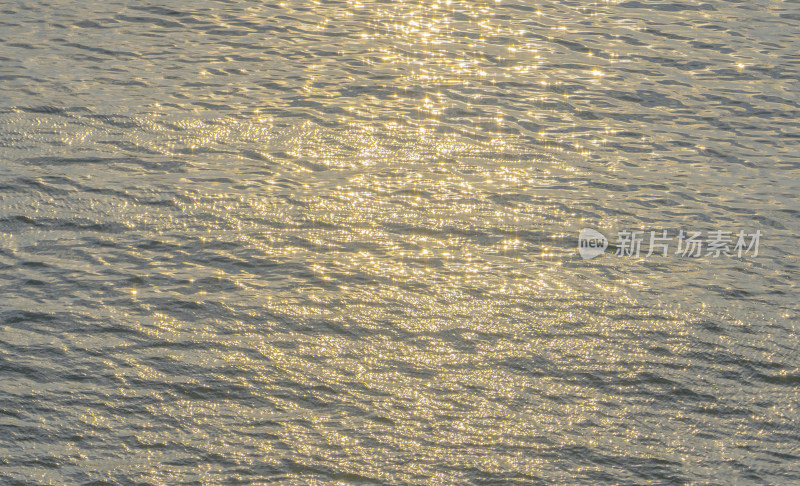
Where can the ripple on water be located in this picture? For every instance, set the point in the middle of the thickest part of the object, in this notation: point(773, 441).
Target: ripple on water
point(336, 242)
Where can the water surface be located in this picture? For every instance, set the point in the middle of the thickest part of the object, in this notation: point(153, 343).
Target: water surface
point(335, 241)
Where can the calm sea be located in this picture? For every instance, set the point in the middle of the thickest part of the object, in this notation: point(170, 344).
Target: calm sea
point(337, 242)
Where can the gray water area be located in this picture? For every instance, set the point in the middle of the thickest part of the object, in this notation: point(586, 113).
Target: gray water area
point(336, 242)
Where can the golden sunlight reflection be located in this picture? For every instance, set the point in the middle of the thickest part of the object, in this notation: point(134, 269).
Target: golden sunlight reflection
point(336, 242)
